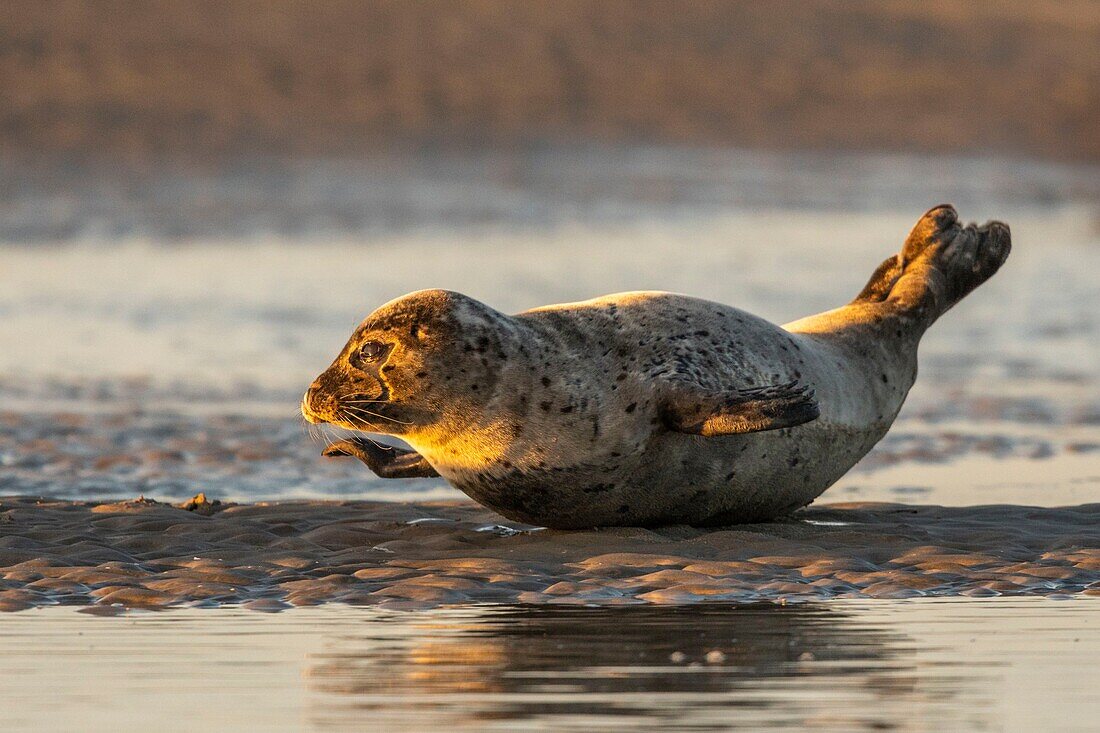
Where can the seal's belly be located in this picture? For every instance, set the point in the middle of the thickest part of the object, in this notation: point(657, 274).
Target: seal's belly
point(680, 479)
point(631, 471)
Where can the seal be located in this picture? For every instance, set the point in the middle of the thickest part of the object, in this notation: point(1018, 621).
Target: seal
point(645, 408)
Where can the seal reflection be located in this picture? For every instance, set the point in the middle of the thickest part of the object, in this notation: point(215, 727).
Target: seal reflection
point(699, 667)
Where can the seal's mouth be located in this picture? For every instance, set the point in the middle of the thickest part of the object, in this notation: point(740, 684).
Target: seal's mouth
point(311, 417)
point(353, 411)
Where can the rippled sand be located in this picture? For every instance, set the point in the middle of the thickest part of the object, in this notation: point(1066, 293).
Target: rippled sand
point(270, 556)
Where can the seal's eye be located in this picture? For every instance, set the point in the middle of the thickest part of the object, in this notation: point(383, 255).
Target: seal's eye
point(371, 351)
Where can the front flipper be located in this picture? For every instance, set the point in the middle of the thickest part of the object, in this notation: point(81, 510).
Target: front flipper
point(689, 409)
point(385, 460)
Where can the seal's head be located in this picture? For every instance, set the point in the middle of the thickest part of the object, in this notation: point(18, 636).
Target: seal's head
point(426, 361)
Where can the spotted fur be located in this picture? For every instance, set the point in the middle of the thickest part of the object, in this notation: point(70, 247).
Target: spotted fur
point(597, 413)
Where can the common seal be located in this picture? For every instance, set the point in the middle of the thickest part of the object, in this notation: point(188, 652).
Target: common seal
point(645, 408)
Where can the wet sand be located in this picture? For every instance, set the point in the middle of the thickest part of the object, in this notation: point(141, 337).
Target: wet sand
point(271, 556)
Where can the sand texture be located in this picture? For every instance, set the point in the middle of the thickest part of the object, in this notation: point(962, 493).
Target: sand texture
point(271, 556)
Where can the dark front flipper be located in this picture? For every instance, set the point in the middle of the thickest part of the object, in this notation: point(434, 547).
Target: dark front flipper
point(386, 461)
point(688, 409)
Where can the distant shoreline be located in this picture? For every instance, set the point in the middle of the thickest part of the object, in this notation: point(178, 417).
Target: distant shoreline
point(199, 80)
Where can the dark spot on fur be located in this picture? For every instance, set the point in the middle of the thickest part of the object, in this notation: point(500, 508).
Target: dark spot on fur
point(631, 407)
point(421, 375)
point(546, 381)
point(473, 388)
point(623, 509)
point(388, 368)
point(545, 406)
point(567, 408)
point(885, 379)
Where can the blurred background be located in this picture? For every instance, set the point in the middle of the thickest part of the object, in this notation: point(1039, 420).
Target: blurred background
point(200, 200)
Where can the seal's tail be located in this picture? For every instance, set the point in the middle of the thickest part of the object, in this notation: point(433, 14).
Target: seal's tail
point(940, 263)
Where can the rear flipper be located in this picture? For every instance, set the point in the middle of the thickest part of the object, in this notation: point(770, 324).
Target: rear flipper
point(940, 263)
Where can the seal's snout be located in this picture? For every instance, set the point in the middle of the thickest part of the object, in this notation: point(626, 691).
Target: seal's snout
point(310, 408)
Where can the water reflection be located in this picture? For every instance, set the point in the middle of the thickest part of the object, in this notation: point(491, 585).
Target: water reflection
point(689, 668)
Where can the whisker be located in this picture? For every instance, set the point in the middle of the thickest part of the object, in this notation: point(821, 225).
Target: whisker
point(364, 411)
point(375, 414)
point(306, 425)
point(341, 398)
point(352, 419)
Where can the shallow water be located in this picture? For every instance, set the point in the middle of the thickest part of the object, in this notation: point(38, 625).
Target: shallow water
point(929, 665)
